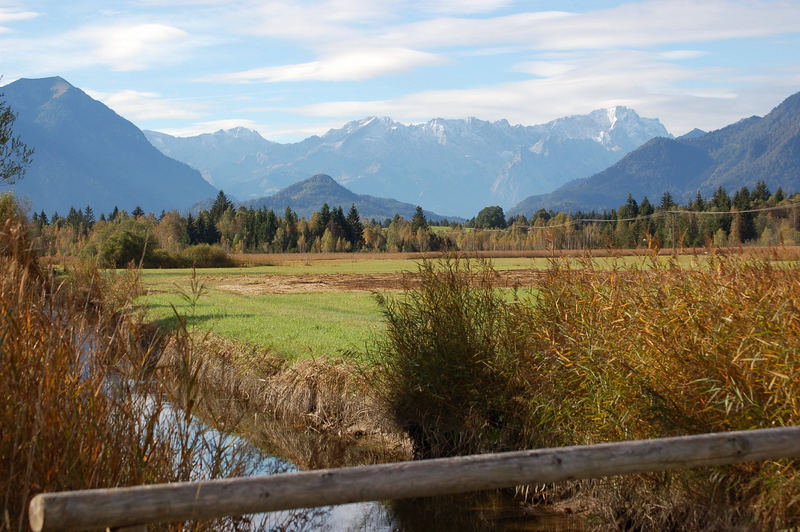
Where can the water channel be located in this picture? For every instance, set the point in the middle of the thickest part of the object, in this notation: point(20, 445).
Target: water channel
point(483, 511)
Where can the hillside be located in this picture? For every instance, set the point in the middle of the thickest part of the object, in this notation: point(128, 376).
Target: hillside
point(86, 154)
point(753, 149)
point(450, 166)
point(308, 196)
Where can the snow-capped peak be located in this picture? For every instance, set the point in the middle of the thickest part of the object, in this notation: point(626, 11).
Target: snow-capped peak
point(612, 117)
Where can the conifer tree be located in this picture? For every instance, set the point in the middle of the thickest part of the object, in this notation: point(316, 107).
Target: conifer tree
point(221, 204)
point(418, 221)
point(355, 228)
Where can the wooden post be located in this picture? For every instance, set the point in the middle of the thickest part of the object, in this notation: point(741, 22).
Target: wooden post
point(183, 501)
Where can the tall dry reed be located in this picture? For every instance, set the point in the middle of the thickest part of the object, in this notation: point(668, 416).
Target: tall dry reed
point(80, 406)
point(640, 351)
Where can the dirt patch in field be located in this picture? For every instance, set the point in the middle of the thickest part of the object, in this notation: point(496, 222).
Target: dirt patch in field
point(376, 282)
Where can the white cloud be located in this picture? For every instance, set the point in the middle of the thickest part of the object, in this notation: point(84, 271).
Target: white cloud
point(12, 15)
point(543, 68)
point(466, 6)
point(136, 105)
point(578, 83)
point(680, 55)
point(313, 22)
point(130, 46)
point(644, 24)
point(356, 65)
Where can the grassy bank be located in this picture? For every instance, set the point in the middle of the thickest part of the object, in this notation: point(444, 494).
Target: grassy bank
point(316, 413)
point(646, 350)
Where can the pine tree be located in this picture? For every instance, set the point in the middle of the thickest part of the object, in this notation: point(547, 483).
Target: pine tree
point(191, 230)
point(721, 202)
point(761, 192)
point(221, 204)
point(355, 228)
point(698, 205)
point(338, 224)
point(667, 202)
point(645, 208)
point(324, 219)
point(418, 221)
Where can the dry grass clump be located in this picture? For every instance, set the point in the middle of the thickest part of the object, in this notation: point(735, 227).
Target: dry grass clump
point(645, 351)
point(315, 412)
point(668, 351)
point(69, 417)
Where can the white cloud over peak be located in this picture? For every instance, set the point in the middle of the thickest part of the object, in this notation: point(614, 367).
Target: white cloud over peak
point(354, 65)
point(573, 83)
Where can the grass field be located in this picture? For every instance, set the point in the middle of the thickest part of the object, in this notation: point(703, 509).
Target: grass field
point(292, 325)
point(299, 319)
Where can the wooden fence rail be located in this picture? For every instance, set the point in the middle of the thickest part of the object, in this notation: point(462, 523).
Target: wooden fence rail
point(177, 502)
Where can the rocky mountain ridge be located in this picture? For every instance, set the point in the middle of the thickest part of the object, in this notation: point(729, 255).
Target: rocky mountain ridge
point(452, 166)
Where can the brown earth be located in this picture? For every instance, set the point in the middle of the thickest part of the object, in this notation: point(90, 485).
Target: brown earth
point(327, 282)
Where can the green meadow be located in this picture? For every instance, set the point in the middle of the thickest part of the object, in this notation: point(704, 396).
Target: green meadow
point(292, 325)
point(301, 325)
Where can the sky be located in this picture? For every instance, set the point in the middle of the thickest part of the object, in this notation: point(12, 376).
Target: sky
point(290, 69)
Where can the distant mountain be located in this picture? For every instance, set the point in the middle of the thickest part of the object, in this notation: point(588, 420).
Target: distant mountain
point(753, 149)
point(451, 166)
point(308, 196)
point(693, 134)
point(86, 154)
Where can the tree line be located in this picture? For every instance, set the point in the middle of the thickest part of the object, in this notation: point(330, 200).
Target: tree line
point(755, 216)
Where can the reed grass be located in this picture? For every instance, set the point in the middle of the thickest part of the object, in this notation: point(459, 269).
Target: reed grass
point(80, 402)
point(640, 350)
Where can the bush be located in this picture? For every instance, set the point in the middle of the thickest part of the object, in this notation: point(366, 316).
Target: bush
point(205, 256)
point(446, 345)
point(123, 247)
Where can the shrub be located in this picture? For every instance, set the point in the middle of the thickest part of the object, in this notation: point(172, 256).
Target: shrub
point(123, 247)
point(205, 256)
point(446, 345)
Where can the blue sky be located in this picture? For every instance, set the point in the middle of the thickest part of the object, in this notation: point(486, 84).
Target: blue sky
point(290, 69)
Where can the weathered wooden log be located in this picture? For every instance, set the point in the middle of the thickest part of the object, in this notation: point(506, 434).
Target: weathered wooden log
point(183, 501)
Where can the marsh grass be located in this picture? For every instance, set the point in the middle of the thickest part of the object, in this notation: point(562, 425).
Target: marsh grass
point(316, 413)
point(640, 350)
point(80, 402)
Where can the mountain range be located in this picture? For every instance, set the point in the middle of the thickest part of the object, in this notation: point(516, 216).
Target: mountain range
point(756, 148)
point(455, 167)
point(86, 154)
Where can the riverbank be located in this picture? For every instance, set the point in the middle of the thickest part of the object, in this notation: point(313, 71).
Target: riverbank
point(316, 413)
